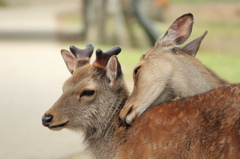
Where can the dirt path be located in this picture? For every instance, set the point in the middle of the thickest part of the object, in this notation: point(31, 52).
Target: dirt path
point(32, 73)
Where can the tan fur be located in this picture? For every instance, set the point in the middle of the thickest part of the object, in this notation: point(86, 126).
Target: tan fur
point(167, 72)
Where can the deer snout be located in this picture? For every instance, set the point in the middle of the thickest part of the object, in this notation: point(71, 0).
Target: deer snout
point(46, 120)
point(127, 115)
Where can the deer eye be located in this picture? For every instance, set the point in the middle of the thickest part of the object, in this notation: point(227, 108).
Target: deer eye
point(87, 93)
point(136, 70)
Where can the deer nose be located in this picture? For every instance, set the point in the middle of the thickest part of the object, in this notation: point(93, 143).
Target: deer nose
point(46, 120)
point(124, 113)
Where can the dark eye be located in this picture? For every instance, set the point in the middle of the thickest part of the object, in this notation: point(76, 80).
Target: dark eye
point(87, 93)
point(136, 70)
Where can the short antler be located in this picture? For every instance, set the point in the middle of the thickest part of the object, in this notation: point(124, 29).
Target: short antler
point(82, 56)
point(103, 57)
point(77, 57)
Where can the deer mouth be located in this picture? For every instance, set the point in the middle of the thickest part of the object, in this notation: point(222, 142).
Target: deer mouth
point(58, 127)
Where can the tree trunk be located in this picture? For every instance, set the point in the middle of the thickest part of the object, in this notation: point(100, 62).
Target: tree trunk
point(94, 20)
point(120, 34)
point(145, 22)
point(128, 17)
point(111, 21)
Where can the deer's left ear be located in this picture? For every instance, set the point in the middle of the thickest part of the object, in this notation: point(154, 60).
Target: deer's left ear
point(114, 73)
point(69, 60)
point(192, 47)
point(178, 32)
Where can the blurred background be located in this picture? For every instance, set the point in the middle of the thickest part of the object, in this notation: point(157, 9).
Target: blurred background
point(32, 33)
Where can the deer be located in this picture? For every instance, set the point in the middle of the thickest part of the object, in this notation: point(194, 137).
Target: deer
point(168, 72)
point(92, 98)
point(203, 126)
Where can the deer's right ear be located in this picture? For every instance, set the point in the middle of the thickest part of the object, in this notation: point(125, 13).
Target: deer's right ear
point(192, 47)
point(69, 60)
point(178, 32)
point(114, 73)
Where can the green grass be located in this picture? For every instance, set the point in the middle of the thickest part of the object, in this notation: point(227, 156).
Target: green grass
point(3, 3)
point(224, 64)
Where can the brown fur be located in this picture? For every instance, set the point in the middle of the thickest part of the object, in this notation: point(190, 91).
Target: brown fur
point(205, 126)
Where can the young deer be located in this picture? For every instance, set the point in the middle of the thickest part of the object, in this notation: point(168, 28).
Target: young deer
point(205, 126)
point(167, 71)
point(91, 100)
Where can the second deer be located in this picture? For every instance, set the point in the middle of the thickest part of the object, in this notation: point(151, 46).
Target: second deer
point(167, 72)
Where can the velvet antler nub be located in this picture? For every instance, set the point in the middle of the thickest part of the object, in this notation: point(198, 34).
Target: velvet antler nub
point(82, 56)
point(103, 57)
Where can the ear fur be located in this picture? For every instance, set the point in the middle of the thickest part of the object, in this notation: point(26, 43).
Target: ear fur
point(69, 60)
point(114, 73)
point(192, 47)
point(178, 32)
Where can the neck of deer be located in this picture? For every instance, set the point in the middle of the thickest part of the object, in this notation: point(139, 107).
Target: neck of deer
point(186, 77)
point(101, 140)
point(193, 77)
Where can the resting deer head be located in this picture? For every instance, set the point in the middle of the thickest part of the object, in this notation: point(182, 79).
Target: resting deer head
point(167, 71)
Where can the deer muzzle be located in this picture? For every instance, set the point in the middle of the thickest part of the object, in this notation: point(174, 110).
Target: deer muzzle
point(46, 120)
point(127, 114)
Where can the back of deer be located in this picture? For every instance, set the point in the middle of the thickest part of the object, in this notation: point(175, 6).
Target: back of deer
point(205, 126)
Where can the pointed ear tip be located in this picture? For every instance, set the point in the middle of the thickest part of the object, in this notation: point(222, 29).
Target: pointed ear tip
point(63, 51)
point(204, 34)
point(113, 57)
point(190, 15)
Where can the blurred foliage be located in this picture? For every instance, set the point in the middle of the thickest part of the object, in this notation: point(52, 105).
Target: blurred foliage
point(219, 50)
point(203, 1)
point(3, 3)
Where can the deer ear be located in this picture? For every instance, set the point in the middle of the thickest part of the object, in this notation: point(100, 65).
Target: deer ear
point(69, 60)
point(178, 32)
point(192, 47)
point(114, 73)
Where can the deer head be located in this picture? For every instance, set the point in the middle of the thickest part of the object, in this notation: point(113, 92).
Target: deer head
point(167, 71)
point(90, 95)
